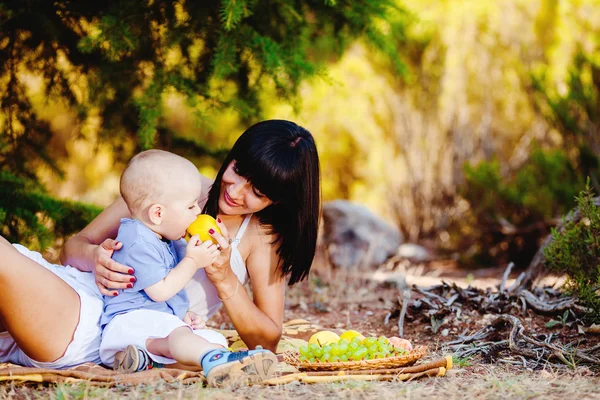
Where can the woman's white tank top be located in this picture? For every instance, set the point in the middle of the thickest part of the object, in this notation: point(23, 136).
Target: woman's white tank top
point(203, 296)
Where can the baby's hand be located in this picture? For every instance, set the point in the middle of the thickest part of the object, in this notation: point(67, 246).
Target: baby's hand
point(203, 253)
point(194, 320)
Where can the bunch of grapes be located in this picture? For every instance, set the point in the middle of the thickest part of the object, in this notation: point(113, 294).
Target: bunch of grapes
point(358, 349)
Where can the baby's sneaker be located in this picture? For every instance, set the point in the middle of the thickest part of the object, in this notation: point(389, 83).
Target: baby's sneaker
point(133, 359)
point(226, 368)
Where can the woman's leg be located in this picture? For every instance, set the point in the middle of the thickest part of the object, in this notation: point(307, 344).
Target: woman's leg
point(39, 310)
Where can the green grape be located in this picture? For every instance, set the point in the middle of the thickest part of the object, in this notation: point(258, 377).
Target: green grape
point(335, 349)
point(313, 346)
point(327, 349)
point(344, 357)
point(303, 358)
point(318, 352)
point(304, 351)
point(379, 355)
point(356, 340)
point(373, 348)
point(369, 341)
point(343, 341)
point(352, 347)
point(312, 359)
point(360, 353)
point(383, 339)
point(325, 357)
point(343, 347)
point(334, 359)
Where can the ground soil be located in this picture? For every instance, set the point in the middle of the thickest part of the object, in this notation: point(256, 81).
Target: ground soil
point(368, 301)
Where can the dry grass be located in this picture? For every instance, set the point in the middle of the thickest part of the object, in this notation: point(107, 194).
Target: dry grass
point(479, 382)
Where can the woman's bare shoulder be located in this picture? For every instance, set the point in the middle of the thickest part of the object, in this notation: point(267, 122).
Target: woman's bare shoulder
point(259, 233)
point(262, 245)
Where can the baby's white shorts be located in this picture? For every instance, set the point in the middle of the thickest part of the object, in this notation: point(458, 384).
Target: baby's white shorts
point(135, 327)
point(86, 340)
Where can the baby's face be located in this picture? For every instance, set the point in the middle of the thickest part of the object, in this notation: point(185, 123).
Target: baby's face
point(181, 211)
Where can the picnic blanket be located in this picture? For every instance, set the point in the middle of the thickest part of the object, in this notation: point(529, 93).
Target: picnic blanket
point(295, 333)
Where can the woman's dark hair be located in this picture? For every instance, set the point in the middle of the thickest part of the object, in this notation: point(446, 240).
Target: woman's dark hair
point(279, 158)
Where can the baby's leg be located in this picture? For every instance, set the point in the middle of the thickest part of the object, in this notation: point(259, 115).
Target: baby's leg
point(182, 345)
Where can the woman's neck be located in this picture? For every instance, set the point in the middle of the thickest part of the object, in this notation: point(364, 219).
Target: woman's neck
point(226, 218)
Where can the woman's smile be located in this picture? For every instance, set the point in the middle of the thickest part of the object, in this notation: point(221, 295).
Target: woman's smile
point(230, 202)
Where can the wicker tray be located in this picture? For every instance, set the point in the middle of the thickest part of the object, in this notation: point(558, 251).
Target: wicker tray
point(291, 357)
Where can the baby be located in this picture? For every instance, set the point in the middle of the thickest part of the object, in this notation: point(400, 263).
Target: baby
point(148, 324)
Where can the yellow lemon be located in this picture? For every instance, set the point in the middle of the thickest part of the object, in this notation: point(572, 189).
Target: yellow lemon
point(349, 335)
point(324, 337)
point(200, 227)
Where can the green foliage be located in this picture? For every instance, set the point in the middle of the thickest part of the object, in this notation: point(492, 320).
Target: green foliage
point(511, 213)
point(560, 320)
point(31, 217)
point(460, 361)
point(543, 187)
point(130, 52)
point(118, 60)
point(575, 251)
point(575, 109)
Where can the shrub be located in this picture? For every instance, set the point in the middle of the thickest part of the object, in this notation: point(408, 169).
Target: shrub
point(30, 216)
point(575, 251)
point(512, 213)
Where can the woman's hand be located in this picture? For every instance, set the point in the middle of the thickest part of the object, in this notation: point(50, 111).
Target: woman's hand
point(109, 274)
point(219, 270)
point(194, 320)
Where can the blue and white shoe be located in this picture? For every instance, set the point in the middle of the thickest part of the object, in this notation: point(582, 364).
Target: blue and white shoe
point(133, 359)
point(226, 368)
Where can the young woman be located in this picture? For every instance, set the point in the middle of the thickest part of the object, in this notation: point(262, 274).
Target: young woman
point(267, 194)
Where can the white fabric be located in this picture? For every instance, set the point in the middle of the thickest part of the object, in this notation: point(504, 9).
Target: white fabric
point(86, 340)
point(136, 327)
point(204, 299)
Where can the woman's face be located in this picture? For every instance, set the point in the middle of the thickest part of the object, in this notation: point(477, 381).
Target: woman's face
point(238, 196)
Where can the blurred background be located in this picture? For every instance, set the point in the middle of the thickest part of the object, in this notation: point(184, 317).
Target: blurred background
point(469, 125)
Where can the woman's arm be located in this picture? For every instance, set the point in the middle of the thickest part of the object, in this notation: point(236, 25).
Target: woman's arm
point(90, 250)
point(259, 322)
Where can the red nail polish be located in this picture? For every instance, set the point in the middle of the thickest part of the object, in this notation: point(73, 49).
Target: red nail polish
point(131, 271)
point(132, 279)
point(218, 219)
point(129, 285)
point(116, 293)
point(211, 231)
point(117, 243)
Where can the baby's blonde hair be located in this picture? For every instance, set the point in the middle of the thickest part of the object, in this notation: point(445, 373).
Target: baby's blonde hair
point(154, 176)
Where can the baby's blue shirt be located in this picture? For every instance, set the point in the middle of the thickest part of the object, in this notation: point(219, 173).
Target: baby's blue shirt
point(152, 259)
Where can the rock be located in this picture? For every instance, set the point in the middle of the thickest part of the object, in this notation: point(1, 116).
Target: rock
point(354, 237)
point(414, 253)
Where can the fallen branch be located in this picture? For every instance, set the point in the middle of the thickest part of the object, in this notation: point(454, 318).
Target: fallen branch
point(405, 302)
point(559, 306)
point(522, 345)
